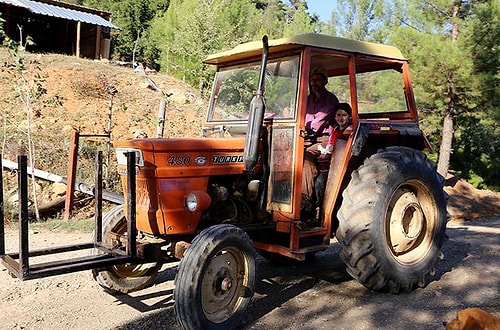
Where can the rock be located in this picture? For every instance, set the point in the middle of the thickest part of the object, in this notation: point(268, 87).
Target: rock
point(140, 134)
point(13, 199)
point(58, 189)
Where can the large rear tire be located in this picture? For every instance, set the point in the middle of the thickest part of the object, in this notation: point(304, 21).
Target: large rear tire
point(215, 280)
point(392, 220)
point(127, 277)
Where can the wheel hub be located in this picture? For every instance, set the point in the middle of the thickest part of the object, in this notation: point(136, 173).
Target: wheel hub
point(223, 285)
point(412, 221)
point(226, 284)
point(407, 222)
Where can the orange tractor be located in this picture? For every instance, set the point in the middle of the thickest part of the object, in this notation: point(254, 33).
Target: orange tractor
point(212, 201)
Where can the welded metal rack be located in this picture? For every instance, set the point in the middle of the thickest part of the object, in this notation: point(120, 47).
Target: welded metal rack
point(21, 265)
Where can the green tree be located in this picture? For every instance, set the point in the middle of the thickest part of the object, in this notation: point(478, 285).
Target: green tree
point(272, 18)
point(451, 88)
point(477, 143)
point(299, 21)
point(359, 19)
point(191, 29)
point(2, 32)
point(133, 17)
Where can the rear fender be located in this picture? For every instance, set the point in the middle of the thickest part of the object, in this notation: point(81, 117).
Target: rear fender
point(373, 135)
point(368, 139)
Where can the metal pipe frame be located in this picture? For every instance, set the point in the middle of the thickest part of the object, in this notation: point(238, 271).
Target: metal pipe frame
point(18, 264)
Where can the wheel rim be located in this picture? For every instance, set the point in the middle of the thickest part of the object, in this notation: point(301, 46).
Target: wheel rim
point(133, 270)
point(410, 223)
point(224, 284)
point(130, 269)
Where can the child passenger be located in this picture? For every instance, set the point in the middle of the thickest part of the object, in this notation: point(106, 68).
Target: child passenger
point(343, 113)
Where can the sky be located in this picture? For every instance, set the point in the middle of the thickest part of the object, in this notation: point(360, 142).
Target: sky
point(323, 8)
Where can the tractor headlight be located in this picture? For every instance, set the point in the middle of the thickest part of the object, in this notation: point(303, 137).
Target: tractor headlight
point(121, 156)
point(197, 201)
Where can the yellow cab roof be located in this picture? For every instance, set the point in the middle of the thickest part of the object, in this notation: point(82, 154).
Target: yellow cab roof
point(254, 48)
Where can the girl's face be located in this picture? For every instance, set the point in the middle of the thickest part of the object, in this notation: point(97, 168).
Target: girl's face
point(342, 118)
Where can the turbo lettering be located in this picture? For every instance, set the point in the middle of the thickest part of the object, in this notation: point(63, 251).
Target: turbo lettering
point(227, 159)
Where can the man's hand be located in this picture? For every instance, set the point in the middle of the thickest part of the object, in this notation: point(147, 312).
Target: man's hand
point(309, 135)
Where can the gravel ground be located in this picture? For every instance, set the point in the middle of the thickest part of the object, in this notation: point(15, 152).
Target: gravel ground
point(316, 295)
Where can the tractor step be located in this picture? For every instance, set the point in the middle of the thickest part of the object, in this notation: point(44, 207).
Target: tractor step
point(299, 254)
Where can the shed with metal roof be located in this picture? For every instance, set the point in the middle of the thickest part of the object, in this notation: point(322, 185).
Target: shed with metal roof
point(58, 27)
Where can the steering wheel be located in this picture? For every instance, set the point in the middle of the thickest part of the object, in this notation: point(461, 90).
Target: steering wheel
point(310, 136)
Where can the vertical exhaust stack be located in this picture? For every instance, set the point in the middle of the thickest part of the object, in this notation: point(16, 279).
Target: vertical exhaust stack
point(256, 115)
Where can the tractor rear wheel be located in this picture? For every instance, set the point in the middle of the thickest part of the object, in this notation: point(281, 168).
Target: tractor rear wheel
point(392, 220)
point(127, 277)
point(215, 280)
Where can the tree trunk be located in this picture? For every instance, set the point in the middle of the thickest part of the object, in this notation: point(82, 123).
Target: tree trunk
point(455, 14)
point(446, 143)
point(445, 149)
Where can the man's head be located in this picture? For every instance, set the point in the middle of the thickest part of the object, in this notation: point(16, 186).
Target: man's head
point(318, 80)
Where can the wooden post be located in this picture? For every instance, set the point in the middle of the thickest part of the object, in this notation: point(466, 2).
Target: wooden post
point(161, 119)
point(78, 33)
point(70, 188)
point(98, 198)
point(98, 36)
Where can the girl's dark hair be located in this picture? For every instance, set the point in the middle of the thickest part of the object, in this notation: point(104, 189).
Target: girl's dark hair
point(344, 106)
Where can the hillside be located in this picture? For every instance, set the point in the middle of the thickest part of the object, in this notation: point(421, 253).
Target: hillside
point(76, 96)
point(73, 95)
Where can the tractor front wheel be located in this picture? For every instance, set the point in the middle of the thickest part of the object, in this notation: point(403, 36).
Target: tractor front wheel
point(215, 280)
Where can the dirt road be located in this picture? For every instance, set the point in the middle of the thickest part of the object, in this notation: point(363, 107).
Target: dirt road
point(318, 295)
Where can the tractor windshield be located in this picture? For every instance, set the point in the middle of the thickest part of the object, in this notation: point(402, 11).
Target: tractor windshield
point(234, 86)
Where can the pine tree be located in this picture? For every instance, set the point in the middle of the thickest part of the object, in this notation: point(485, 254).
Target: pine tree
point(428, 33)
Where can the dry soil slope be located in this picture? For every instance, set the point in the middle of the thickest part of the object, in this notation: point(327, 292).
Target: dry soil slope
point(75, 96)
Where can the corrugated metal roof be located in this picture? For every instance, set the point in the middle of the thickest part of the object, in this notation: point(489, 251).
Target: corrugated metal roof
point(60, 12)
point(13, 3)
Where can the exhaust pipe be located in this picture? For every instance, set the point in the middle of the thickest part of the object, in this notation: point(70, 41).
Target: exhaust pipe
point(256, 115)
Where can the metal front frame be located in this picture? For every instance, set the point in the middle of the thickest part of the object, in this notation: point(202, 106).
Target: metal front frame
point(18, 264)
